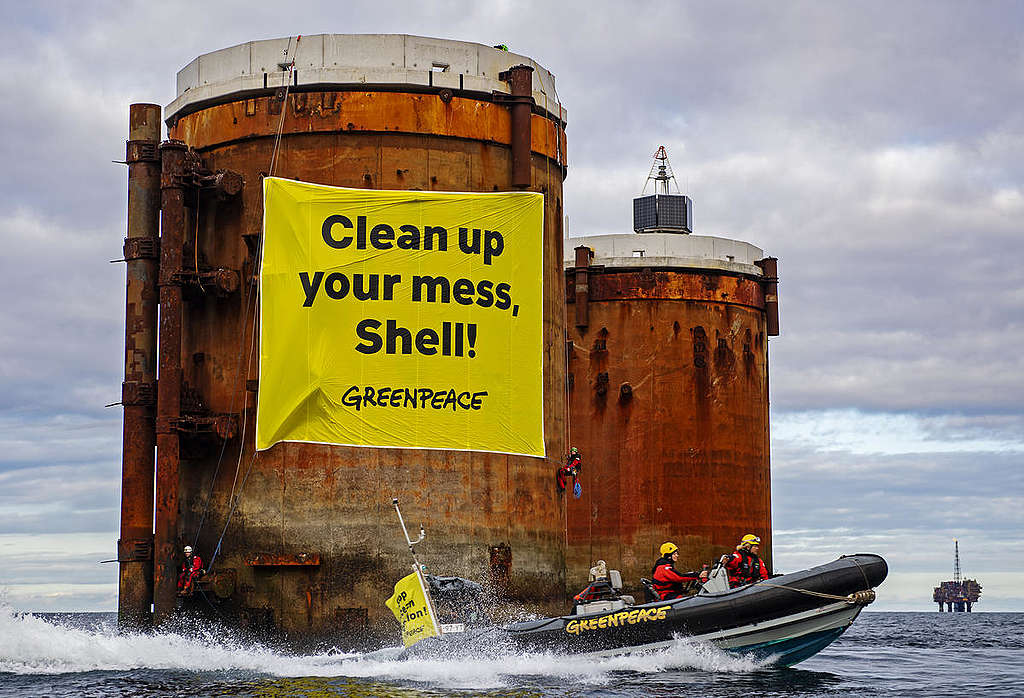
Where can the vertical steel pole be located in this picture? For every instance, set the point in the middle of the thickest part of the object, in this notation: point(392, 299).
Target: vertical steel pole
point(520, 79)
point(138, 392)
point(770, 267)
point(583, 257)
point(168, 403)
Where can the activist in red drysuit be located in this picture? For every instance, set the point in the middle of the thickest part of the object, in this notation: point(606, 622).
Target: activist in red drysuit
point(744, 566)
point(667, 582)
point(191, 569)
point(571, 469)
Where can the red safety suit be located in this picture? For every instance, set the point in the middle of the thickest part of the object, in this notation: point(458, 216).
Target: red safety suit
point(574, 462)
point(191, 568)
point(667, 582)
point(570, 470)
point(563, 476)
point(745, 567)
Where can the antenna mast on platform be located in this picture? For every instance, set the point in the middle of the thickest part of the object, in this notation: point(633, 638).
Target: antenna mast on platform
point(661, 173)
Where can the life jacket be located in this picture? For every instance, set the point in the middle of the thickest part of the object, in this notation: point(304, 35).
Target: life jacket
point(574, 462)
point(748, 569)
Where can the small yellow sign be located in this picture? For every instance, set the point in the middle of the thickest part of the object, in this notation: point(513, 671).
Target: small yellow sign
point(404, 319)
point(410, 606)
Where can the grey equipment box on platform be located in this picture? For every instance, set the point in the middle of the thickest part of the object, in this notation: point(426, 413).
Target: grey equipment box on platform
point(663, 213)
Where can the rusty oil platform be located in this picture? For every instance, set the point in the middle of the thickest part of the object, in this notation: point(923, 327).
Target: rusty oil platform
point(656, 360)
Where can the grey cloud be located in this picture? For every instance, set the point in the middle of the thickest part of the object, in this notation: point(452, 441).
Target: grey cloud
point(870, 494)
point(61, 344)
point(75, 567)
point(61, 498)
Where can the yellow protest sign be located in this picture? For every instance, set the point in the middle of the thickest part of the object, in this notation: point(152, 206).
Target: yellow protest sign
point(409, 604)
point(401, 318)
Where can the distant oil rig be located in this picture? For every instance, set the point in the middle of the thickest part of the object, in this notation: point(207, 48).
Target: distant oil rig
point(960, 594)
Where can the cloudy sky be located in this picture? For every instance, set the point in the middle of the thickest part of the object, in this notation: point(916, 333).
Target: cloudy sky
point(875, 148)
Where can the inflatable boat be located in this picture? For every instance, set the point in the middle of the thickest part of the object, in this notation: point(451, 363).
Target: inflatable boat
point(782, 620)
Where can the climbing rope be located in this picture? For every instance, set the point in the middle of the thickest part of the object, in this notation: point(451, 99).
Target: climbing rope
point(238, 495)
point(234, 505)
point(249, 295)
point(284, 102)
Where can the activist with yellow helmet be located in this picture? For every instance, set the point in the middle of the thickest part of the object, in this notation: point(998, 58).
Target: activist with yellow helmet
point(667, 581)
point(745, 565)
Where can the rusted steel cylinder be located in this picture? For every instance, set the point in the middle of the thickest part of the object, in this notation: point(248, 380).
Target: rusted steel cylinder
point(135, 546)
point(168, 404)
point(376, 112)
point(520, 80)
point(680, 451)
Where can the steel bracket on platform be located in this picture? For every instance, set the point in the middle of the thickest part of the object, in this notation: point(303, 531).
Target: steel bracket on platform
point(222, 281)
point(194, 175)
point(135, 550)
point(505, 98)
point(138, 393)
point(224, 426)
point(226, 183)
point(141, 248)
point(141, 151)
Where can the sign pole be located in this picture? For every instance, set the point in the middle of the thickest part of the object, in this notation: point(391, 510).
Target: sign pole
point(416, 564)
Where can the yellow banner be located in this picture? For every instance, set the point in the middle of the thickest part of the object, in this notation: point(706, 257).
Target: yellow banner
point(403, 319)
point(409, 604)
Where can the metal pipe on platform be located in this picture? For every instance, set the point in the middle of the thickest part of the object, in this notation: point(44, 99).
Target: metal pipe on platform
point(582, 287)
point(520, 80)
point(770, 267)
point(168, 405)
point(138, 392)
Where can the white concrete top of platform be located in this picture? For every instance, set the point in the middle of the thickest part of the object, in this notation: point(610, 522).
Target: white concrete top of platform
point(653, 250)
point(356, 59)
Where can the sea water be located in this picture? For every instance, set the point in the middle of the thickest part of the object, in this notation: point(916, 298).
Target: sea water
point(899, 654)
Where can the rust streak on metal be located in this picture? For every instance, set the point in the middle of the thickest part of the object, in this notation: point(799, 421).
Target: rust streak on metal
point(135, 584)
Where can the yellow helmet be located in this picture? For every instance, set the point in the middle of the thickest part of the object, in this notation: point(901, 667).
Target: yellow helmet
point(668, 548)
point(750, 539)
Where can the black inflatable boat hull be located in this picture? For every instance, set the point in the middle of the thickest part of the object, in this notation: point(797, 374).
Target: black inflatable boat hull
point(785, 619)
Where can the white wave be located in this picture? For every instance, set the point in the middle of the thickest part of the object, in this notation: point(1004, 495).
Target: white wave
point(32, 645)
